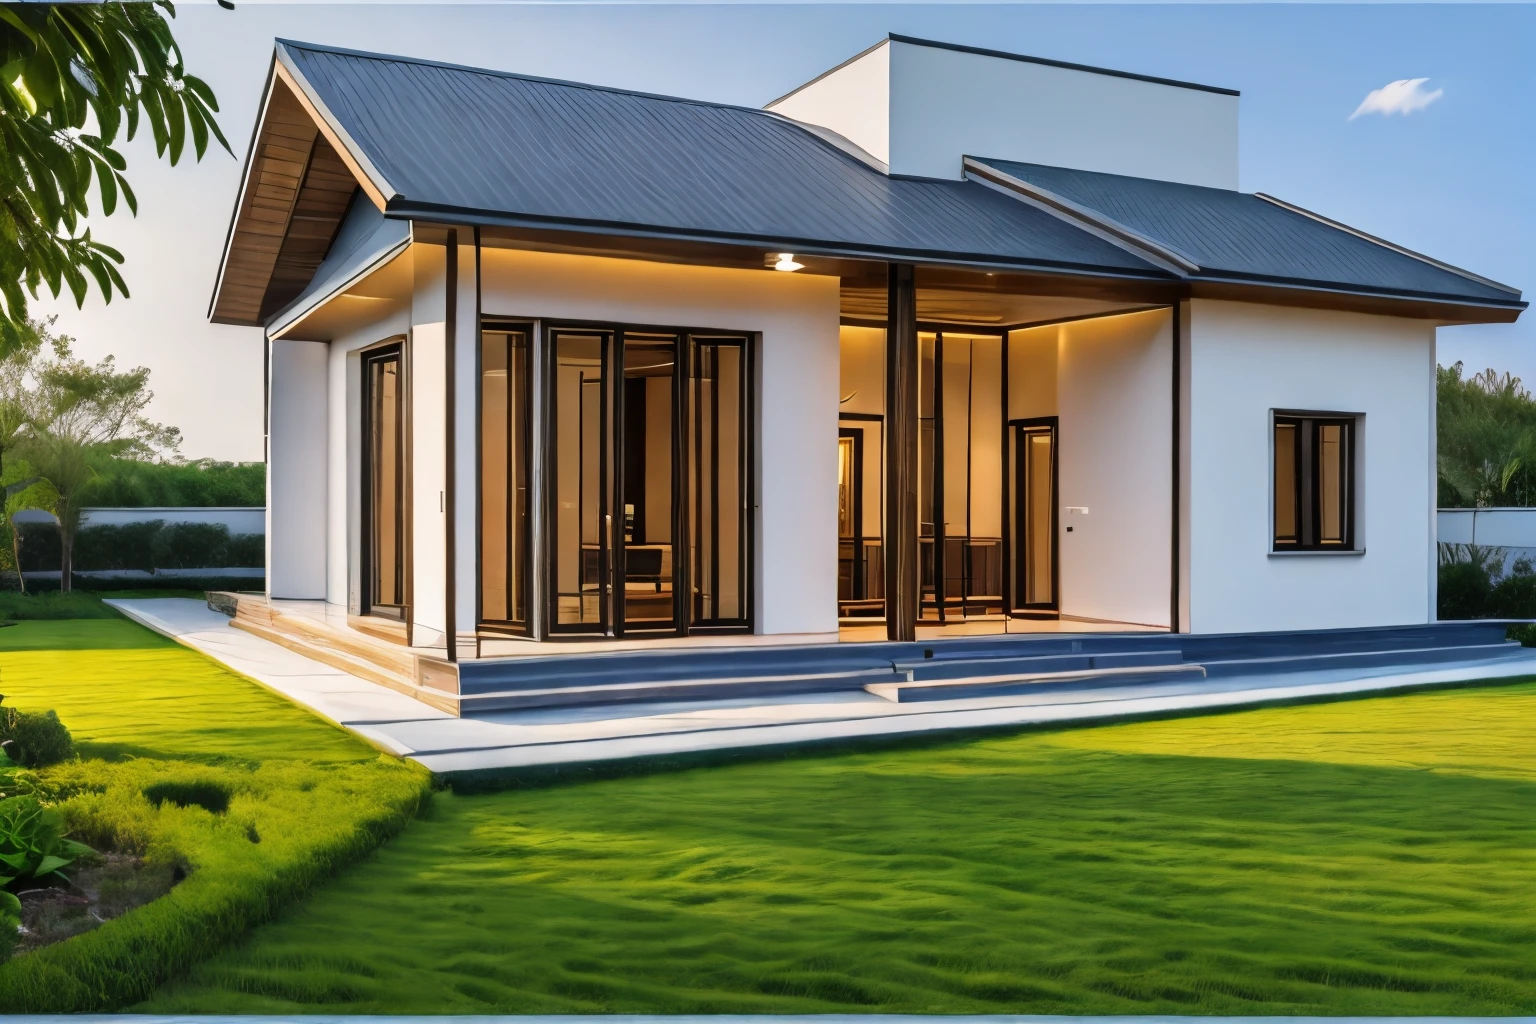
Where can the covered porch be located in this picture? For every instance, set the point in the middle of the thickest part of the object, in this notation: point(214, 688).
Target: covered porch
point(679, 445)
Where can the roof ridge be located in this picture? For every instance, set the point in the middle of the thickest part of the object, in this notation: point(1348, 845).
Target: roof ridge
point(522, 76)
point(1114, 174)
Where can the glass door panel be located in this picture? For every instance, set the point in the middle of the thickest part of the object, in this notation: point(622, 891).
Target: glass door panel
point(717, 489)
point(505, 424)
point(1034, 515)
point(384, 483)
point(581, 530)
point(648, 459)
point(648, 483)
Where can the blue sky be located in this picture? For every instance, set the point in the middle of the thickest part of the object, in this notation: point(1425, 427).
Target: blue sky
point(1453, 179)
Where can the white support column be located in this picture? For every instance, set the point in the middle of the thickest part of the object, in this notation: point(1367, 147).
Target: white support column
point(466, 531)
point(296, 469)
point(427, 447)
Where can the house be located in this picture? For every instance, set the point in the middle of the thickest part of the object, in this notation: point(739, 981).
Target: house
point(946, 341)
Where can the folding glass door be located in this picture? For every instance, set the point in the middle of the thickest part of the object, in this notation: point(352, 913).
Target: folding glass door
point(960, 490)
point(646, 481)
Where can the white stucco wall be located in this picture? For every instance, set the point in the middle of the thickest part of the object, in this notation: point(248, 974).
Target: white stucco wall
point(853, 101)
point(296, 470)
point(946, 104)
point(922, 108)
point(1246, 361)
point(1115, 396)
point(797, 317)
point(1110, 382)
point(235, 518)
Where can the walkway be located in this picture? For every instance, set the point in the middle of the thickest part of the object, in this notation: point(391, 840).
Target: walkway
point(522, 740)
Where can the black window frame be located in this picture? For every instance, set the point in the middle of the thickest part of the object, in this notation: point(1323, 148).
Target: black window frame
point(1306, 489)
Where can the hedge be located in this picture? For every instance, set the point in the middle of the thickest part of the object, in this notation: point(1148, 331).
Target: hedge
point(127, 483)
point(145, 546)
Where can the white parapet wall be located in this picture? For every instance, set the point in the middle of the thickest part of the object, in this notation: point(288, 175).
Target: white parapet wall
point(236, 518)
point(922, 107)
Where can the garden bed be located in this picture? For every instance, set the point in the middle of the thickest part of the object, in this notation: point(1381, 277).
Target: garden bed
point(102, 888)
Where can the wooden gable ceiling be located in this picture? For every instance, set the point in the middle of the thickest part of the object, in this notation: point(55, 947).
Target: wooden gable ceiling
point(297, 191)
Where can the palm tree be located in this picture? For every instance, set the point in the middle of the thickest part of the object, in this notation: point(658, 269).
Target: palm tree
point(63, 461)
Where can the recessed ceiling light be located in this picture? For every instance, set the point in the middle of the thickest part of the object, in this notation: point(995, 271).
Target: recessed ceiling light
point(786, 262)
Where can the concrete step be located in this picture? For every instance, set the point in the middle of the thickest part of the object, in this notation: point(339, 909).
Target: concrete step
point(1351, 660)
point(668, 690)
point(430, 680)
point(1041, 682)
point(970, 668)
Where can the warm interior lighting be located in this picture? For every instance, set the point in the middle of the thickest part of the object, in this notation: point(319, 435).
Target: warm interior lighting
point(786, 262)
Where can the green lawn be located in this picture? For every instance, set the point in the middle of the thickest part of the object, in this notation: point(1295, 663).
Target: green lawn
point(1373, 856)
point(164, 733)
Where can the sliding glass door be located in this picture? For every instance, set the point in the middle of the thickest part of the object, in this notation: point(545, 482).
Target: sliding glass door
point(647, 481)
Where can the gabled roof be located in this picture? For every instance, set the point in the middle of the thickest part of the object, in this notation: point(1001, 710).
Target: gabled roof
point(1216, 234)
point(439, 142)
point(517, 148)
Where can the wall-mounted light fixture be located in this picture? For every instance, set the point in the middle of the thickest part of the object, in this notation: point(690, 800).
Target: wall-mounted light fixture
point(786, 262)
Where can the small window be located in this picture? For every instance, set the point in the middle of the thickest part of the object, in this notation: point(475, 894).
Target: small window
point(1314, 486)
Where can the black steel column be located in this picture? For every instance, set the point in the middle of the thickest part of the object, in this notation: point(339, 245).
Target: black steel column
point(450, 406)
point(901, 569)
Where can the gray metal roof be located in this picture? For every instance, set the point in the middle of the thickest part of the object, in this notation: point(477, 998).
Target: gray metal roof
point(1237, 235)
point(534, 150)
point(441, 141)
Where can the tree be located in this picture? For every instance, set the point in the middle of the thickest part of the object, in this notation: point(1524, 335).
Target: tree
point(1486, 440)
point(72, 412)
point(68, 68)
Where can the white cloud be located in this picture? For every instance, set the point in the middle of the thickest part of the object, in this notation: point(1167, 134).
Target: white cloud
point(1401, 97)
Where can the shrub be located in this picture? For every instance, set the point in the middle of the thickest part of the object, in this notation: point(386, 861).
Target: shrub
point(126, 546)
point(33, 848)
point(145, 547)
point(1473, 584)
point(35, 739)
point(247, 551)
point(191, 546)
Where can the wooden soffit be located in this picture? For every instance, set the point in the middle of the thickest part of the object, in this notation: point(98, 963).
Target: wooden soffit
point(296, 192)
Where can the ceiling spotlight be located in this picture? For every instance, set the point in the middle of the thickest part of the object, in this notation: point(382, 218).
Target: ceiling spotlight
point(786, 262)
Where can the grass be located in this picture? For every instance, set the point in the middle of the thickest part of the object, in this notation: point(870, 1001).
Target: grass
point(77, 604)
point(249, 797)
point(1369, 857)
